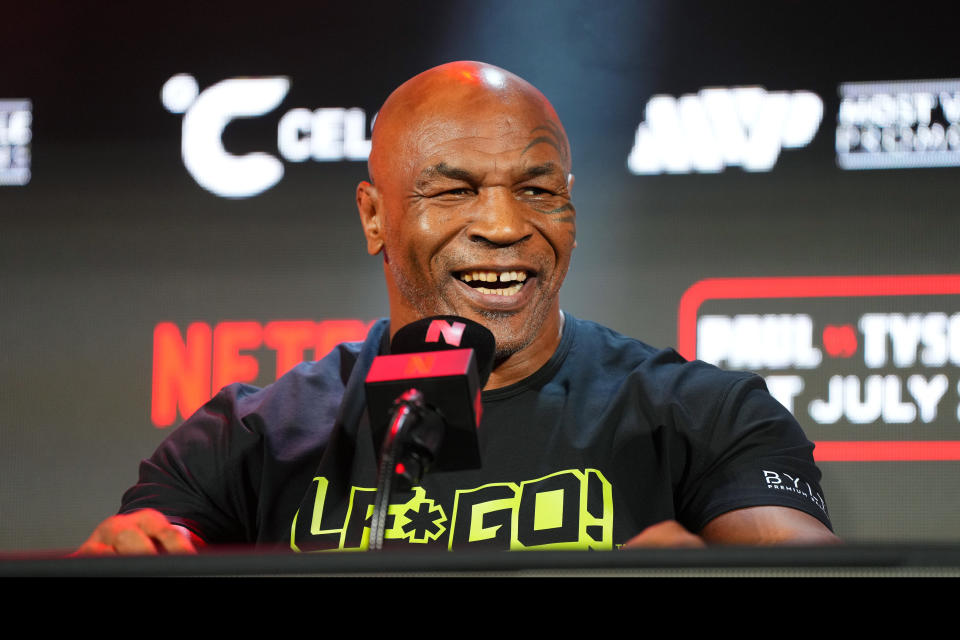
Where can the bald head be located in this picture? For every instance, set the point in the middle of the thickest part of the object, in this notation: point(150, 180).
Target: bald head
point(470, 207)
point(452, 95)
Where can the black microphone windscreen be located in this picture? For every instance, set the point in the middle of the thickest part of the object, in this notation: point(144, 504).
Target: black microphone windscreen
point(439, 333)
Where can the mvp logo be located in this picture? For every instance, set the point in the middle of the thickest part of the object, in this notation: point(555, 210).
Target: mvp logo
point(720, 127)
point(570, 509)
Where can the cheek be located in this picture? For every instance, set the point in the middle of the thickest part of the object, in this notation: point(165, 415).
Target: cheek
point(409, 238)
point(562, 237)
point(431, 224)
point(434, 230)
point(421, 246)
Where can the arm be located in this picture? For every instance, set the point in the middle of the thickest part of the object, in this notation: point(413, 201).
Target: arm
point(756, 481)
point(144, 532)
point(192, 477)
point(768, 525)
point(202, 478)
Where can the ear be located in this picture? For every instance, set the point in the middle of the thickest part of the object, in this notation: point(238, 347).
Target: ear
point(371, 216)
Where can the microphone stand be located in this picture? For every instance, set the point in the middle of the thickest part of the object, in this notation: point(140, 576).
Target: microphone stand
point(409, 447)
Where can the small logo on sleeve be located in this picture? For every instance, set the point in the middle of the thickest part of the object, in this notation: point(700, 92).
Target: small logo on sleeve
point(780, 481)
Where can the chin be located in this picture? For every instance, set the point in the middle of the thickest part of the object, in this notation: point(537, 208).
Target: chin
point(512, 333)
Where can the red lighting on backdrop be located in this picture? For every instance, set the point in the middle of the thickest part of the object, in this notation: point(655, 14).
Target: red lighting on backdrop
point(840, 341)
point(189, 368)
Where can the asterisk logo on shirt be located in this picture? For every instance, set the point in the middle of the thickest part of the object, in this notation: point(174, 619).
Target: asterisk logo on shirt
point(419, 519)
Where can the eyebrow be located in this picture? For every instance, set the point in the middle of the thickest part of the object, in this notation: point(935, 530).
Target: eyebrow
point(553, 137)
point(544, 169)
point(545, 140)
point(456, 173)
point(444, 170)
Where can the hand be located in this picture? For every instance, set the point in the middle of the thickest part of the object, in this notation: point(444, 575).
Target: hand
point(145, 532)
point(668, 533)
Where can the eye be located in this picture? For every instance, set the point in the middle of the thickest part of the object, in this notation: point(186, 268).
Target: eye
point(534, 192)
point(451, 194)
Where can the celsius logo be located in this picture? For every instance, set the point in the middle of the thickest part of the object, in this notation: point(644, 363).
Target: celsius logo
point(326, 134)
point(720, 127)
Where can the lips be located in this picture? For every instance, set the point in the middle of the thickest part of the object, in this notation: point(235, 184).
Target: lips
point(496, 288)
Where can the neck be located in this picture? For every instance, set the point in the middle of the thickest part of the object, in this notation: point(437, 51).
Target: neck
point(526, 361)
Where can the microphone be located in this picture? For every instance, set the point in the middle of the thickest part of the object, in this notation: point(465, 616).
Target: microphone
point(447, 359)
point(443, 333)
point(424, 405)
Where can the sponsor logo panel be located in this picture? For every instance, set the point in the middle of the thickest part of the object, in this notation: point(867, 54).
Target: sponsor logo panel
point(16, 120)
point(191, 365)
point(868, 365)
point(899, 125)
point(327, 134)
point(721, 127)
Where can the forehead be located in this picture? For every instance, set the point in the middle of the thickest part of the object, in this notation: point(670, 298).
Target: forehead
point(499, 135)
point(481, 131)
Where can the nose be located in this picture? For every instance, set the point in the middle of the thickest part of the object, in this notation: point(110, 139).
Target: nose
point(499, 219)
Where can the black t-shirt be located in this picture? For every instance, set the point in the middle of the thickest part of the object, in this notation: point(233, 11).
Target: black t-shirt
point(607, 438)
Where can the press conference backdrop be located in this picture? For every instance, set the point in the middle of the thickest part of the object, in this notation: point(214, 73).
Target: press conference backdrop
point(768, 186)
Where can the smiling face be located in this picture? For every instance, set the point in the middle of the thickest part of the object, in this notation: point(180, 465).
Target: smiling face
point(470, 203)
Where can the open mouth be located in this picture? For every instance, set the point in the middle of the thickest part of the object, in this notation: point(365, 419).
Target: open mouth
point(499, 283)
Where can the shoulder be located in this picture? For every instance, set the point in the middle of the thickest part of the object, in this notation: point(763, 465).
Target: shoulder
point(306, 384)
point(295, 410)
point(662, 376)
point(721, 432)
point(310, 391)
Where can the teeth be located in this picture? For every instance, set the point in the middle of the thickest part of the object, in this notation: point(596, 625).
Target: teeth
point(507, 291)
point(493, 276)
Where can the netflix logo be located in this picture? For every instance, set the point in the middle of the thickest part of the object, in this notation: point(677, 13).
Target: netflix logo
point(191, 365)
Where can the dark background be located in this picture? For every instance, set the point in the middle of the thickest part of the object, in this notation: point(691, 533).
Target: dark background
point(112, 235)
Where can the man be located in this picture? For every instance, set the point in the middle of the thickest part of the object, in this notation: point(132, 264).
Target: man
point(588, 440)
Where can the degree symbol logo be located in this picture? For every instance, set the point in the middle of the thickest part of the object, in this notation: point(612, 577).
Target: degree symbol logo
point(206, 115)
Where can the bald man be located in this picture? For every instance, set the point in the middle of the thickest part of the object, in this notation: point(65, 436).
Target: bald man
point(589, 439)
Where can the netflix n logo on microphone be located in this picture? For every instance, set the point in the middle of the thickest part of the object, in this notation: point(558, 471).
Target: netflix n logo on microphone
point(868, 362)
point(450, 333)
point(448, 359)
